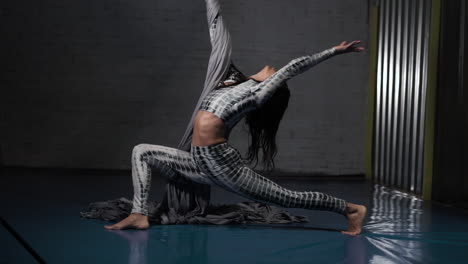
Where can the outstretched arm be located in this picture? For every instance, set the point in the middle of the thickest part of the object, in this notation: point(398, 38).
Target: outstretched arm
point(264, 90)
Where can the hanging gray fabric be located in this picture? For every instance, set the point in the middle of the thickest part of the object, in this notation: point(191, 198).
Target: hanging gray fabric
point(218, 64)
point(192, 198)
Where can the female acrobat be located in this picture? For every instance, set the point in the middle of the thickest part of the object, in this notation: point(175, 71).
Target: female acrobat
point(262, 99)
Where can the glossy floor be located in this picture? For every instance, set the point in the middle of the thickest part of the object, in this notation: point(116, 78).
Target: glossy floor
point(43, 208)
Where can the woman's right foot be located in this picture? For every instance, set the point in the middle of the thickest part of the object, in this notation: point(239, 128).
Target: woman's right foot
point(134, 220)
point(355, 215)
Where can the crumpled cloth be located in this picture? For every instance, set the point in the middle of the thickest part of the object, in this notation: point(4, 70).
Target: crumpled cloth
point(240, 213)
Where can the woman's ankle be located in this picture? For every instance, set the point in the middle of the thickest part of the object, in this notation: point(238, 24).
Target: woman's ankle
point(351, 208)
point(139, 214)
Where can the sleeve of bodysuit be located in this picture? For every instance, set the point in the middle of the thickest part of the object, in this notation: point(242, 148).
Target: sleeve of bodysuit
point(264, 90)
point(218, 64)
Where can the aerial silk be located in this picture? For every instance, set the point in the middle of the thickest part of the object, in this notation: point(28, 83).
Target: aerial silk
point(188, 202)
point(218, 65)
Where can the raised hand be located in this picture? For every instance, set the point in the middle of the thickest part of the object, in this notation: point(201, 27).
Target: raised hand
point(345, 47)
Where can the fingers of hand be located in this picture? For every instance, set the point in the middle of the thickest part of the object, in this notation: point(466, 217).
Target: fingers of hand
point(346, 47)
point(354, 43)
point(358, 49)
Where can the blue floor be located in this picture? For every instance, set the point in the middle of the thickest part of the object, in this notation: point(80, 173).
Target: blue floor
point(43, 208)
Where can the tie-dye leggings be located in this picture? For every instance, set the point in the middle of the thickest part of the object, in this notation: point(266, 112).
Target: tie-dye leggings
point(221, 165)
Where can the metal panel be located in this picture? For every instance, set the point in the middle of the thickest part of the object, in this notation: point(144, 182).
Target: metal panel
point(396, 104)
point(383, 109)
point(426, 10)
point(378, 103)
point(416, 99)
point(410, 90)
point(390, 104)
point(404, 74)
point(401, 82)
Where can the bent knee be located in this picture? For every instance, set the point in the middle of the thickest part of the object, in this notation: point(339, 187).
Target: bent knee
point(142, 148)
point(139, 148)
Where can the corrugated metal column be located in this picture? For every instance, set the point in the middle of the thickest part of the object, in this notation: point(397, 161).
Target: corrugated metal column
point(425, 30)
point(373, 42)
point(432, 71)
point(401, 83)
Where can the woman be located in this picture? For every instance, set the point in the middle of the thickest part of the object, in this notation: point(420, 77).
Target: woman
point(262, 98)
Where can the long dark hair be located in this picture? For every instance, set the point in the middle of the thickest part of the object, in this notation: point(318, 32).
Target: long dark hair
point(263, 124)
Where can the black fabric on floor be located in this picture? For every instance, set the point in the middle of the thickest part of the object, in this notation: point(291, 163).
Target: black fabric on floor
point(188, 203)
point(241, 213)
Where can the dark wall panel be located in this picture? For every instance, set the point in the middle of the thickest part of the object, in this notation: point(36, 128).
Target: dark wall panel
point(84, 81)
point(450, 183)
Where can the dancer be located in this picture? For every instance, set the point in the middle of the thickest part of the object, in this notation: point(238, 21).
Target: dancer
point(262, 98)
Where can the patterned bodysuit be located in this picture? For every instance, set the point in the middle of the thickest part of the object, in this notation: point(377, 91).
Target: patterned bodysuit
point(221, 164)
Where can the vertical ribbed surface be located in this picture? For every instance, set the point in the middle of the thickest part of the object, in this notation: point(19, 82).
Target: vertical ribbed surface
point(403, 43)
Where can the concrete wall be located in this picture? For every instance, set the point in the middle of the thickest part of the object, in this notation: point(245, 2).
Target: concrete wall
point(84, 81)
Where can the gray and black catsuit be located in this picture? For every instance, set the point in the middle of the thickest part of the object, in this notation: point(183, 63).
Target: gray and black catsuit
point(221, 164)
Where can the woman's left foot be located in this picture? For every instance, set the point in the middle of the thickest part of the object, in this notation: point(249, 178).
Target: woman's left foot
point(355, 215)
point(134, 220)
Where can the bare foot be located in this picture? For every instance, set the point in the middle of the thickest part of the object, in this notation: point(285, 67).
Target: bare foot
point(135, 220)
point(355, 216)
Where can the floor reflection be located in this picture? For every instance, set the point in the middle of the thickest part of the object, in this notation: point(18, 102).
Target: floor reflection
point(394, 211)
point(394, 226)
point(166, 241)
point(356, 251)
point(400, 228)
point(138, 244)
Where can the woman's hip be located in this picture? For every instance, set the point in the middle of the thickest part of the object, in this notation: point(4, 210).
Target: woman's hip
point(217, 159)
